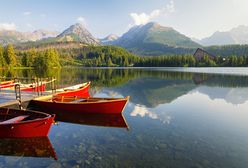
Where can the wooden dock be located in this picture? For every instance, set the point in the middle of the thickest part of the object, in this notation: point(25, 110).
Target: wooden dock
point(14, 104)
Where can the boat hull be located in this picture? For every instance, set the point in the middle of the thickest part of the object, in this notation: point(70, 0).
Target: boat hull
point(6, 82)
point(81, 92)
point(24, 88)
point(106, 107)
point(7, 86)
point(40, 88)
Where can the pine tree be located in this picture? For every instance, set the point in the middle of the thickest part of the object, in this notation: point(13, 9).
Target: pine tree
point(2, 60)
point(10, 56)
point(24, 60)
point(31, 57)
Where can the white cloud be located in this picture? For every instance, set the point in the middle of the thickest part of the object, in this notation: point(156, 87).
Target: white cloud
point(143, 18)
point(7, 26)
point(26, 13)
point(81, 20)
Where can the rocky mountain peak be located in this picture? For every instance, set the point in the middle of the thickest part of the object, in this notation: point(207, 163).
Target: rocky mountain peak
point(110, 38)
point(78, 32)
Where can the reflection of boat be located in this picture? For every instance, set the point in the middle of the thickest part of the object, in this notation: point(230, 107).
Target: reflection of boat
point(76, 90)
point(80, 105)
point(27, 147)
point(24, 123)
point(107, 120)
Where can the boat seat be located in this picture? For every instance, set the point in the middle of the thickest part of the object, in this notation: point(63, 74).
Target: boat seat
point(78, 100)
point(14, 120)
point(101, 100)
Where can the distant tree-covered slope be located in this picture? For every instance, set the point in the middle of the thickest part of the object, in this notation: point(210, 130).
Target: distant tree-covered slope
point(228, 50)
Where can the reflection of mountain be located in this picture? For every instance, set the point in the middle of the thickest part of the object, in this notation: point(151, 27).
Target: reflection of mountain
point(153, 91)
point(231, 95)
point(27, 147)
point(220, 80)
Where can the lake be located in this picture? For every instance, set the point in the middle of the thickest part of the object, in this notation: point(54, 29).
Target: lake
point(176, 117)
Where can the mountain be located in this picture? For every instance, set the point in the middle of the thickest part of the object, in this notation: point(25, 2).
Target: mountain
point(79, 33)
point(238, 35)
point(19, 37)
point(109, 39)
point(155, 39)
point(40, 34)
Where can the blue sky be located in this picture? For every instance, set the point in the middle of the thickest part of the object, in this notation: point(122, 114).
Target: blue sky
point(194, 18)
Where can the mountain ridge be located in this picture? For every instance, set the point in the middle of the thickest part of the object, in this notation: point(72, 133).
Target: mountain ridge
point(152, 38)
point(236, 35)
point(12, 36)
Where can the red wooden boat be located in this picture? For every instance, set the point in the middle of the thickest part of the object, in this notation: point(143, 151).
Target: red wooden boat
point(7, 84)
point(25, 87)
point(79, 104)
point(24, 123)
point(27, 147)
point(81, 90)
point(33, 87)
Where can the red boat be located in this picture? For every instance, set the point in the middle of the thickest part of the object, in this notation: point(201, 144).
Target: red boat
point(79, 104)
point(33, 87)
point(25, 87)
point(7, 84)
point(81, 90)
point(27, 147)
point(24, 123)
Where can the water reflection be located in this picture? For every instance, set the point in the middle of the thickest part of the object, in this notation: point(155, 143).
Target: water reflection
point(231, 95)
point(176, 119)
point(27, 147)
point(104, 120)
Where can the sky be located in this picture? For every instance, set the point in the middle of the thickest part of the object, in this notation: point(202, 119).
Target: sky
point(194, 18)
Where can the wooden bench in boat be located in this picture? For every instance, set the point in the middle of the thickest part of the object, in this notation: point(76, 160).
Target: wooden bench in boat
point(78, 100)
point(14, 120)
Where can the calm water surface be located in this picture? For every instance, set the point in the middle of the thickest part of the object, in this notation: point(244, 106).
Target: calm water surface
point(175, 119)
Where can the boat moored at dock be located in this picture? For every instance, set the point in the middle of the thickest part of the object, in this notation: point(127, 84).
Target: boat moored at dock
point(74, 104)
point(24, 123)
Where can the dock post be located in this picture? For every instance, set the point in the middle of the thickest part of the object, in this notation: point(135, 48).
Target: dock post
point(41, 86)
point(18, 95)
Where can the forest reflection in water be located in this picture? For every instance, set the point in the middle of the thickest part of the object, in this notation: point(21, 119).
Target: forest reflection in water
point(175, 119)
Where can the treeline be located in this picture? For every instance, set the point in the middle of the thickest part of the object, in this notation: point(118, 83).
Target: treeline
point(40, 59)
point(105, 56)
point(167, 61)
point(99, 56)
point(190, 61)
point(228, 50)
point(30, 58)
